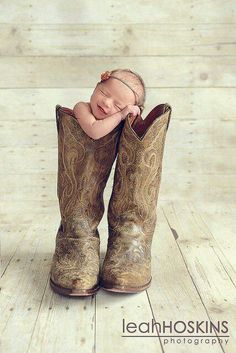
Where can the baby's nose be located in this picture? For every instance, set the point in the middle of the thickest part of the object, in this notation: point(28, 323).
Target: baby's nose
point(107, 102)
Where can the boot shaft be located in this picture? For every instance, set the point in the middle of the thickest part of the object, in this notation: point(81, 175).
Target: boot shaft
point(138, 173)
point(84, 166)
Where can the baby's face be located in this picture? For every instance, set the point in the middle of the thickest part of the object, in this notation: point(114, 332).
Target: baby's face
point(110, 97)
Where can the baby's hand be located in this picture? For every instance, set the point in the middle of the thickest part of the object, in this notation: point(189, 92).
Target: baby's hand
point(131, 109)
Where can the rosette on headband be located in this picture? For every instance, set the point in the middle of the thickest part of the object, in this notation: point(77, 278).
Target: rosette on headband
point(105, 75)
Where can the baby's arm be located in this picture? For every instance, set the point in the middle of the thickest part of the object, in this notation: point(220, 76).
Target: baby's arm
point(95, 128)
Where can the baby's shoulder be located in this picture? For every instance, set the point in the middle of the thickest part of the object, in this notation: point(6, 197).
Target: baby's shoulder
point(83, 105)
point(86, 104)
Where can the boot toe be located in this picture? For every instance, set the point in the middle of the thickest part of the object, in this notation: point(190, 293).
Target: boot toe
point(129, 282)
point(74, 285)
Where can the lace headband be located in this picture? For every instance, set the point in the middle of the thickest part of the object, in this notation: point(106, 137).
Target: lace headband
point(107, 74)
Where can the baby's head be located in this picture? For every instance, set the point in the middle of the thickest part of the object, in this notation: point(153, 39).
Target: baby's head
point(116, 90)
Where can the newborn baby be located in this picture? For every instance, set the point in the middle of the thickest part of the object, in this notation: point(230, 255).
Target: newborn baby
point(119, 93)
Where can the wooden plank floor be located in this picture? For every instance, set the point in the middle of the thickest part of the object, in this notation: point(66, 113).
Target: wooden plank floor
point(193, 280)
point(53, 53)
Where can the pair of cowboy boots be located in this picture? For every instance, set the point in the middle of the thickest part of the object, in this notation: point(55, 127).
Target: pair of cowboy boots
point(84, 166)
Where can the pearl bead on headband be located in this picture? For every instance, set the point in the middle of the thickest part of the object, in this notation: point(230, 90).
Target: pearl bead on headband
point(107, 74)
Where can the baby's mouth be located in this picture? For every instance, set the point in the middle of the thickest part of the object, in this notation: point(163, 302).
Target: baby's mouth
point(101, 109)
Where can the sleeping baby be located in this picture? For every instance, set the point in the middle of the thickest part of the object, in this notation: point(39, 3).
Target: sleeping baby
point(120, 93)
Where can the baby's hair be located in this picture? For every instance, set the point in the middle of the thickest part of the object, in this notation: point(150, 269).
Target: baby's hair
point(135, 81)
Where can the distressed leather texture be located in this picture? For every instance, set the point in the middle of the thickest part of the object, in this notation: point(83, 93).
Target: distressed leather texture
point(133, 203)
point(84, 166)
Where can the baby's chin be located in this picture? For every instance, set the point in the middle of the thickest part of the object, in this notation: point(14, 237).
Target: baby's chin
point(98, 117)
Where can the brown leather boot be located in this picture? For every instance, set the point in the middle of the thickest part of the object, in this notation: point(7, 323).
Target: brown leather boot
point(132, 206)
point(84, 166)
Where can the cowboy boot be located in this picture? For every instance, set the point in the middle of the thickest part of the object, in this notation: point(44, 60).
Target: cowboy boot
point(132, 206)
point(84, 165)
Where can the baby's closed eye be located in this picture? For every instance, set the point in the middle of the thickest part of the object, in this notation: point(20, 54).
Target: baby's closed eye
point(118, 107)
point(103, 92)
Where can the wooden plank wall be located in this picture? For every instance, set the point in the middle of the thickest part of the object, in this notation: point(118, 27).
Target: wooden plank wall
point(53, 53)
